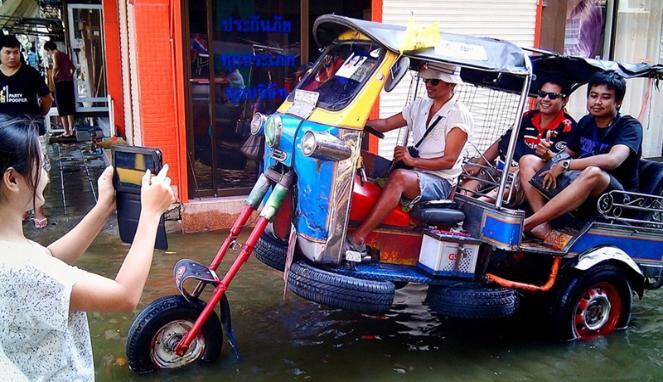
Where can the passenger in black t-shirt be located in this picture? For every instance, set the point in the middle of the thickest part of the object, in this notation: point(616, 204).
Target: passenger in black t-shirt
point(606, 149)
point(22, 90)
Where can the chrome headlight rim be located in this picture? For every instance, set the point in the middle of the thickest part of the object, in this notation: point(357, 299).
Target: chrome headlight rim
point(273, 130)
point(257, 123)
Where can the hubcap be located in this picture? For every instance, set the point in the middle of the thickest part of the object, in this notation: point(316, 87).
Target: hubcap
point(167, 337)
point(597, 311)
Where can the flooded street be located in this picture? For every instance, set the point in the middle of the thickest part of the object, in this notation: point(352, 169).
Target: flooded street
point(292, 339)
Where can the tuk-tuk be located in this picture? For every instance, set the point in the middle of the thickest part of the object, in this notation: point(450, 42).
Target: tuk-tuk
point(318, 184)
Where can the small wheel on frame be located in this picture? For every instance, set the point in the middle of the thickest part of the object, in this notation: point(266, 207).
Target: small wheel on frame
point(593, 304)
point(158, 329)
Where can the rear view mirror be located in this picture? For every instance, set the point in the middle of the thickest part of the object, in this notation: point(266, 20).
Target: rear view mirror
point(396, 73)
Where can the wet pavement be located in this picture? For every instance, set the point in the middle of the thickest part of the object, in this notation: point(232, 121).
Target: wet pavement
point(287, 338)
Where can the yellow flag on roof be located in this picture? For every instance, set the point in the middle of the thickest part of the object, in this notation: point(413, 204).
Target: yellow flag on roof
point(417, 37)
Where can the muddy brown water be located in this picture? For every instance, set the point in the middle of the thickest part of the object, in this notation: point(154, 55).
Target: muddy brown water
point(288, 338)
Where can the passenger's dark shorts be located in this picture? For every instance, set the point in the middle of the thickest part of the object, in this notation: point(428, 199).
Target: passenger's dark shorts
point(64, 98)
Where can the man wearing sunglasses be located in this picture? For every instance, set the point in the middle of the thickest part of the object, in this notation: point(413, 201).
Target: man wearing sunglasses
point(605, 154)
point(440, 126)
point(543, 133)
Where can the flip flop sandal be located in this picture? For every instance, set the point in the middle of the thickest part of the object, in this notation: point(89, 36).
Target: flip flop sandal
point(40, 223)
point(557, 240)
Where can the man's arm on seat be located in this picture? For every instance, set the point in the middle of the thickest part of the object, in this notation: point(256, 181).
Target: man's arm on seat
point(608, 161)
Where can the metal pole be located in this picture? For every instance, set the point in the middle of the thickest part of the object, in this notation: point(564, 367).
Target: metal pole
point(514, 134)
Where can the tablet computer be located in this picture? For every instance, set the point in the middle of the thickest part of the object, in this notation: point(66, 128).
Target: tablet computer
point(130, 164)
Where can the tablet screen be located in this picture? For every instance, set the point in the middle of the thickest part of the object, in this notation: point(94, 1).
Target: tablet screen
point(130, 168)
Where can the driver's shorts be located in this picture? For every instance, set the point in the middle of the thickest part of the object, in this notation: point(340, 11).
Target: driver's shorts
point(431, 187)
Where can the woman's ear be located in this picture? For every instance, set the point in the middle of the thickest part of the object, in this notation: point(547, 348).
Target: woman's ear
point(9, 179)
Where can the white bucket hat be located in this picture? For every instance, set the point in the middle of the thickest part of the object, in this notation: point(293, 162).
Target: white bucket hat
point(438, 71)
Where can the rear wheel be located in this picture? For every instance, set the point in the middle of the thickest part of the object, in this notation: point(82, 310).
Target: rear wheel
point(158, 329)
point(593, 304)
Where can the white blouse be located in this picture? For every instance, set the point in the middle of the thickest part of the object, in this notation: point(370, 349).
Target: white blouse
point(40, 339)
point(454, 115)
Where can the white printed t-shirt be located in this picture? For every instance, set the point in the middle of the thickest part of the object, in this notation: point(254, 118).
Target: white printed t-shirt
point(454, 115)
point(40, 339)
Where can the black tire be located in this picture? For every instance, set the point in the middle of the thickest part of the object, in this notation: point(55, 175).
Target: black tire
point(271, 251)
point(340, 291)
point(170, 312)
point(473, 302)
point(594, 287)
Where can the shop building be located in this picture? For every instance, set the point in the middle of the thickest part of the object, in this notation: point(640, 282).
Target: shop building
point(186, 75)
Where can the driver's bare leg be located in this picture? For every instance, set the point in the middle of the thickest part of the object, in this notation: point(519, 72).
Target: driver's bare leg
point(591, 182)
point(400, 183)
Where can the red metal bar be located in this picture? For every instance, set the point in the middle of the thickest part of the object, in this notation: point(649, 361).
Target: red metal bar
point(234, 232)
point(528, 287)
point(183, 345)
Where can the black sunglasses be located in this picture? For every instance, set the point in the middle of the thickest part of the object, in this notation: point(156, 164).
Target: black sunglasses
point(432, 81)
point(552, 95)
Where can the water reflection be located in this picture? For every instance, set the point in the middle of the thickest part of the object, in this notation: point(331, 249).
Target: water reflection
point(291, 339)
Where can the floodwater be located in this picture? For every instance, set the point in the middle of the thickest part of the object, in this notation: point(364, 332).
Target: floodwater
point(288, 338)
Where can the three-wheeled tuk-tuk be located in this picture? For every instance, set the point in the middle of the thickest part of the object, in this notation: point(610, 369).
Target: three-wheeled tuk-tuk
point(318, 184)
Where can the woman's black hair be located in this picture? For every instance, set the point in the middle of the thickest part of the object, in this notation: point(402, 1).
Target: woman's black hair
point(19, 149)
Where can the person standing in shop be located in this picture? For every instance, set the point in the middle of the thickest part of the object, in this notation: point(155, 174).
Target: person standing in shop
point(63, 76)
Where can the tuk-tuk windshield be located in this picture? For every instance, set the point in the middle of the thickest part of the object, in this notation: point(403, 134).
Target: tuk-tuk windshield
point(341, 72)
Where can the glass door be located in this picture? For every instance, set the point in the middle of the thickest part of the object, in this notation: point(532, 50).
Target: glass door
point(87, 53)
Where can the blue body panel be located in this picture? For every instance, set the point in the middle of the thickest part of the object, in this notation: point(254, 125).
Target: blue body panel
point(641, 247)
point(314, 177)
point(314, 187)
point(500, 231)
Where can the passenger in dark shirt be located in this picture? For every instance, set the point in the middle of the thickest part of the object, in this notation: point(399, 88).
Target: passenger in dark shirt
point(606, 149)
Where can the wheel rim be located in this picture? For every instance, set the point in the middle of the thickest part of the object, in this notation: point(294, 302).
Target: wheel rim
point(162, 351)
point(597, 311)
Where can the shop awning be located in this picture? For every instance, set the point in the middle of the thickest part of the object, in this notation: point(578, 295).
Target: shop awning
point(12, 11)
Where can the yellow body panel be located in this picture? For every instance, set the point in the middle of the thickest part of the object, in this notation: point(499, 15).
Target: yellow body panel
point(355, 114)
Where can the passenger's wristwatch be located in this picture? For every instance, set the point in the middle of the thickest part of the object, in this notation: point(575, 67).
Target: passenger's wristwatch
point(566, 164)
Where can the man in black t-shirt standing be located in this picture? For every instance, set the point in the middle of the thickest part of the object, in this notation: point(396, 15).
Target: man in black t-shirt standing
point(23, 93)
point(22, 89)
point(606, 148)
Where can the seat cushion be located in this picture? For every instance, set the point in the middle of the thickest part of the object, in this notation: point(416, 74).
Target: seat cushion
point(433, 215)
point(651, 177)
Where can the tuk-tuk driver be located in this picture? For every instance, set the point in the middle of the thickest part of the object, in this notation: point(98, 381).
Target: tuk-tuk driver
point(436, 168)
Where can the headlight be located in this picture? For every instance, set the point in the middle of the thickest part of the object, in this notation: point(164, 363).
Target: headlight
point(256, 123)
point(325, 146)
point(273, 128)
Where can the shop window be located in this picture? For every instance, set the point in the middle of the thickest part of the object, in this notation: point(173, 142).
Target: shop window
point(244, 56)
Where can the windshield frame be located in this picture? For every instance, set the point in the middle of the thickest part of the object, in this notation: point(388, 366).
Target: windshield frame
point(335, 106)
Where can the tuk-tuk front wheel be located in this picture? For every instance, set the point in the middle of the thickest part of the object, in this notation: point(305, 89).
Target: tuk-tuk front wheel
point(593, 304)
point(158, 329)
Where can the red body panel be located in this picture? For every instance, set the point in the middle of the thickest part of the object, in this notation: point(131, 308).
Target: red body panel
point(364, 197)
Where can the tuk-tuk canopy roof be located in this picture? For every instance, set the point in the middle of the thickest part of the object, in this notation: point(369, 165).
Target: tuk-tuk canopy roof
point(577, 71)
point(481, 53)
